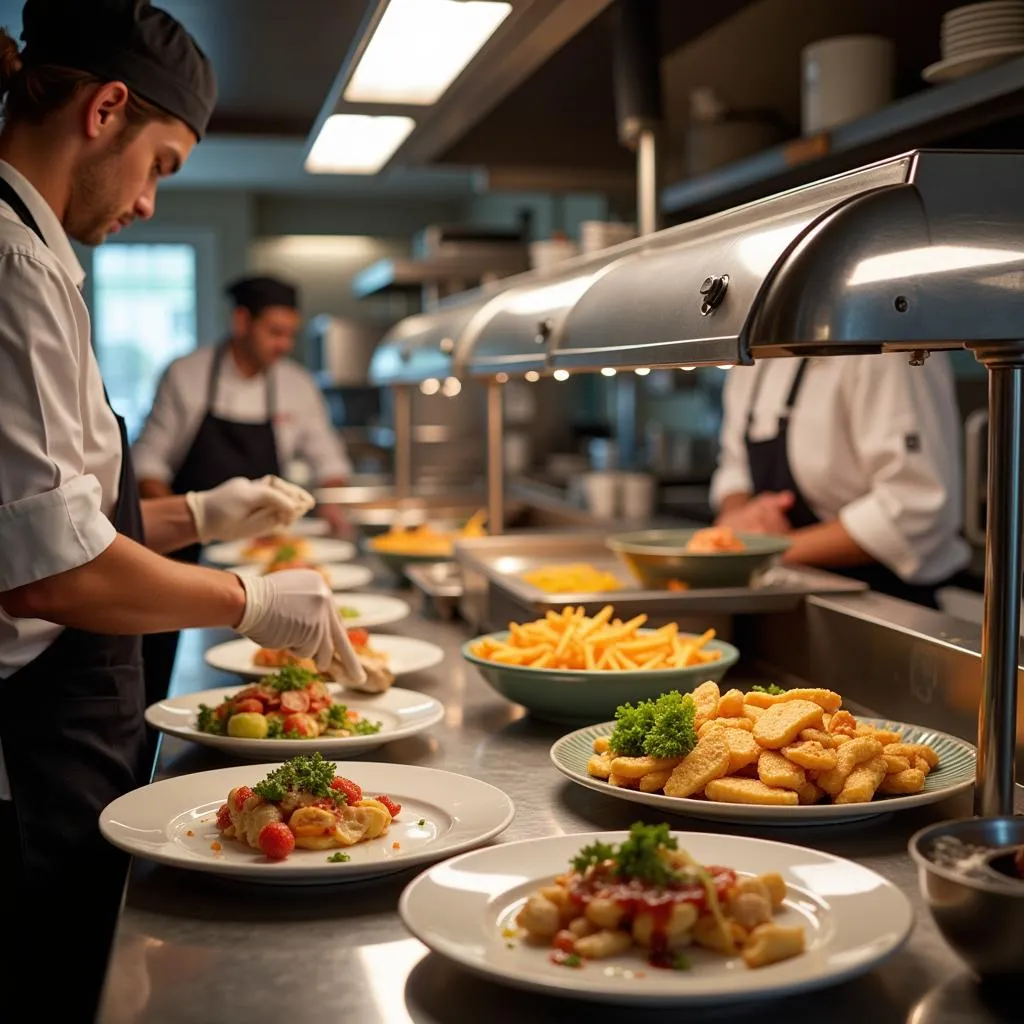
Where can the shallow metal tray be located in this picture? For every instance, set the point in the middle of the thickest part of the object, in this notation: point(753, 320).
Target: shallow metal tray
point(438, 587)
point(498, 563)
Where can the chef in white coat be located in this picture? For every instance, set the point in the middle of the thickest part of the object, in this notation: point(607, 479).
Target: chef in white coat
point(856, 459)
point(106, 98)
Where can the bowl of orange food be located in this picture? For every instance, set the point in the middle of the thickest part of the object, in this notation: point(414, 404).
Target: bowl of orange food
point(426, 542)
point(711, 557)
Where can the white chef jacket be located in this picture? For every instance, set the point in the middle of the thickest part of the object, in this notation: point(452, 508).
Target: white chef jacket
point(873, 441)
point(302, 426)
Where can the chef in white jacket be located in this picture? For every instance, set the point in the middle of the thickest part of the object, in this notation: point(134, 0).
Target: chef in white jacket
point(856, 459)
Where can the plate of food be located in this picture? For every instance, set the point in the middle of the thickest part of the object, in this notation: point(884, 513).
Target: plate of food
point(283, 551)
point(405, 545)
point(774, 756)
point(714, 556)
point(398, 655)
point(308, 821)
point(363, 611)
point(291, 712)
point(572, 667)
point(339, 576)
point(658, 918)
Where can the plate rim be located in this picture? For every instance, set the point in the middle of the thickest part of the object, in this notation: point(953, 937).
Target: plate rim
point(806, 816)
point(934, 72)
point(193, 735)
point(550, 986)
point(220, 546)
point(322, 875)
point(340, 596)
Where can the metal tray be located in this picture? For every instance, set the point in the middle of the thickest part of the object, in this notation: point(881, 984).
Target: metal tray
point(497, 563)
point(438, 586)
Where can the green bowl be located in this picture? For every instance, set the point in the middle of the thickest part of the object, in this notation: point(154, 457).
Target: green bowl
point(655, 557)
point(562, 695)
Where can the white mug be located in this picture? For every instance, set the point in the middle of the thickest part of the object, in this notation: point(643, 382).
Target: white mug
point(844, 78)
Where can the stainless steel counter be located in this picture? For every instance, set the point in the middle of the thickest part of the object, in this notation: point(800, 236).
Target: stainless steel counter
point(190, 948)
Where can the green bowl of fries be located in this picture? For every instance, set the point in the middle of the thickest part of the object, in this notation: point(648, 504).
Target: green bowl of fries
point(586, 696)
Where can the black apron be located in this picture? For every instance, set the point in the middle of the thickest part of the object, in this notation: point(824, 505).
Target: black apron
point(83, 746)
point(220, 450)
point(770, 471)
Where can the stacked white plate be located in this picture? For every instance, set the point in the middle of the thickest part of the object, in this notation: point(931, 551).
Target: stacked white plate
point(978, 36)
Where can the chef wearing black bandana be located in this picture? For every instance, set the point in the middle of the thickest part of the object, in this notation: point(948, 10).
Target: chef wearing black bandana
point(105, 98)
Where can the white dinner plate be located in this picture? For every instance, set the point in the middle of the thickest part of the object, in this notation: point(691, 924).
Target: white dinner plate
point(405, 654)
point(400, 712)
point(969, 64)
point(174, 822)
point(310, 526)
point(374, 609)
point(853, 919)
point(320, 550)
point(955, 773)
point(340, 575)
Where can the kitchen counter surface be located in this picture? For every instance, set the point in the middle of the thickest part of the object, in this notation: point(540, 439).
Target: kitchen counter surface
point(190, 948)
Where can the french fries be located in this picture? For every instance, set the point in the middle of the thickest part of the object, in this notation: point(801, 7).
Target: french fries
point(574, 641)
point(572, 579)
point(796, 752)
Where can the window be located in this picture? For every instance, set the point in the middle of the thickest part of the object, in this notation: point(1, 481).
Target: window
point(144, 315)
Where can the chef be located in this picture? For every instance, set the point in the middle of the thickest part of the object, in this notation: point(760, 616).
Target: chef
point(237, 408)
point(106, 98)
point(856, 459)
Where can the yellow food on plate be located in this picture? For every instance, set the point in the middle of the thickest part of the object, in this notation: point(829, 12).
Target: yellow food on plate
point(425, 540)
point(714, 540)
point(695, 745)
point(270, 547)
point(574, 641)
point(272, 657)
point(572, 579)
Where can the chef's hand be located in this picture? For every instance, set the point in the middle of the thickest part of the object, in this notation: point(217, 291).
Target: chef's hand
point(246, 508)
point(295, 610)
point(765, 513)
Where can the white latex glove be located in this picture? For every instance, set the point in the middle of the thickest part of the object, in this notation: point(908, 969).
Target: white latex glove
point(246, 508)
point(295, 610)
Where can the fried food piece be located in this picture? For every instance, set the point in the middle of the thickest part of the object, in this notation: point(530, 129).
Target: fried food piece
point(272, 657)
point(706, 698)
point(851, 754)
point(827, 700)
point(809, 793)
point(842, 721)
point(817, 736)
point(622, 782)
point(540, 917)
point(600, 765)
point(752, 711)
point(730, 704)
point(929, 756)
point(603, 944)
point(902, 783)
point(735, 790)
point(862, 783)
point(724, 724)
point(782, 723)
point(775, 885)
point(757, 699)
point(638, 767)
point(654, 782)
point(743, 749)
point(601, 744)
point(707, 761)
point(707, 932)
point(894, 763)
point(922, 765)
point(771, 943)
point(777, 771)
point(750, 907)
point(811, 755)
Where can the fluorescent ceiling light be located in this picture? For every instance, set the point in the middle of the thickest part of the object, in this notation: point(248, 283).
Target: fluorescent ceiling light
point(357, 143)
point(420, 47)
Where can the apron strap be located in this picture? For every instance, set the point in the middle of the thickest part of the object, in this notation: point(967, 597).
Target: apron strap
point(9, 195)
point(211, 387)
point(794, 392)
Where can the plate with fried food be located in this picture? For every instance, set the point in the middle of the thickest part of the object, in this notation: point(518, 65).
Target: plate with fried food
point(339, 576)
point(657, 918)
point(285, 551)
point(770, 755)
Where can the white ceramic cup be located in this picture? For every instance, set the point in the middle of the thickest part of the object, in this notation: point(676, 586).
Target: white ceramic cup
point(844, 78)
point(601, 494)
point(637, 496)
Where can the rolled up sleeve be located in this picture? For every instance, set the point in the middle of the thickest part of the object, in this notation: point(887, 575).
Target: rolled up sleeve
point(732, 475)
point(904, 423)
point(51, 515)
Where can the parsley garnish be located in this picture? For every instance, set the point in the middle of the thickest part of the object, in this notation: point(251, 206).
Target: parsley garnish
point(771, 689)
point(571, 960)
point(305, 773)
point(640, 856)
point(339, 858)
point(285, 553)
point(665, 727)
point(680, 962)
point(595, 853)
point(275, 727)
point(421, 822)
point(336, 717)
point(209, 722)
point(291, 677)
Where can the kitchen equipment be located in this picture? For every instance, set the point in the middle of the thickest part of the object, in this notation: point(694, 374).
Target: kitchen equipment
point(339, 350)
point(561, 695)
point(980, 914)
point(439, 586)
point(976, 37)
point(601, 494)
point(658, 557)
point(546, 252)
point(637, 496)
point(844, 78)
point(717, 135)
point(596, 235)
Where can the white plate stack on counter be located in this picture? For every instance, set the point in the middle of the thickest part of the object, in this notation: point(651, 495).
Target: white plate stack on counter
point(976, 37)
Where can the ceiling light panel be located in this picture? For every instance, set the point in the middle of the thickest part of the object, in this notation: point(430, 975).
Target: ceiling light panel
point(357, 143)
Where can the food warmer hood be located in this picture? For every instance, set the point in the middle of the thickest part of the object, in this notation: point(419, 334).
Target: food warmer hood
point(919, 252)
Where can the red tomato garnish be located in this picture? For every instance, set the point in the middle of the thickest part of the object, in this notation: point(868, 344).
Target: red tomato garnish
point(224, 817)
point(248, 693)
point(353, 793)
point(276, 840)
point(295, 701)
point(359, 637)
point(301, 723)
point(565, 941)
point(249, 704)
point(317, 704)
point(241, 795)
point(393, 809)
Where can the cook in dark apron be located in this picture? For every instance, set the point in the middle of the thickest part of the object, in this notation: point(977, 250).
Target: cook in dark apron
point(770, 471)
point(220, 450)
point(73, 739)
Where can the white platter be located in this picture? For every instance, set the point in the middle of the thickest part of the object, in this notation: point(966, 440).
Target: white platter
point(340, 575)
point(310, 526)
point(321, 549)
point(955, 773)
point(374, 609)
point(969, 64)
point(174, 822)
point(401, 713)
point(853, 919)
point(405, 655)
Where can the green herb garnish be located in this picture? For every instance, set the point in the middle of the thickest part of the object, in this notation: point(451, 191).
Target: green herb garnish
point(571, 960)
point(771, 689)
point(209, 722)
point(339, 858)
point(275, 727)
point(336, 717)
point(306, 773)
point(285, 553)
point(631, 726)
point(680, 962)
point(421, 822)
point(290, 677)
point(348, 613)
point(665, 727)
point(641, 856)
point(595, 853)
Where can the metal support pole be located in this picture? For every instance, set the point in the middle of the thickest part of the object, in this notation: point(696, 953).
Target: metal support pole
point(626, 420)
point(403, 441)
point(495, 460)
point(1000, 639)
point(647, 182)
